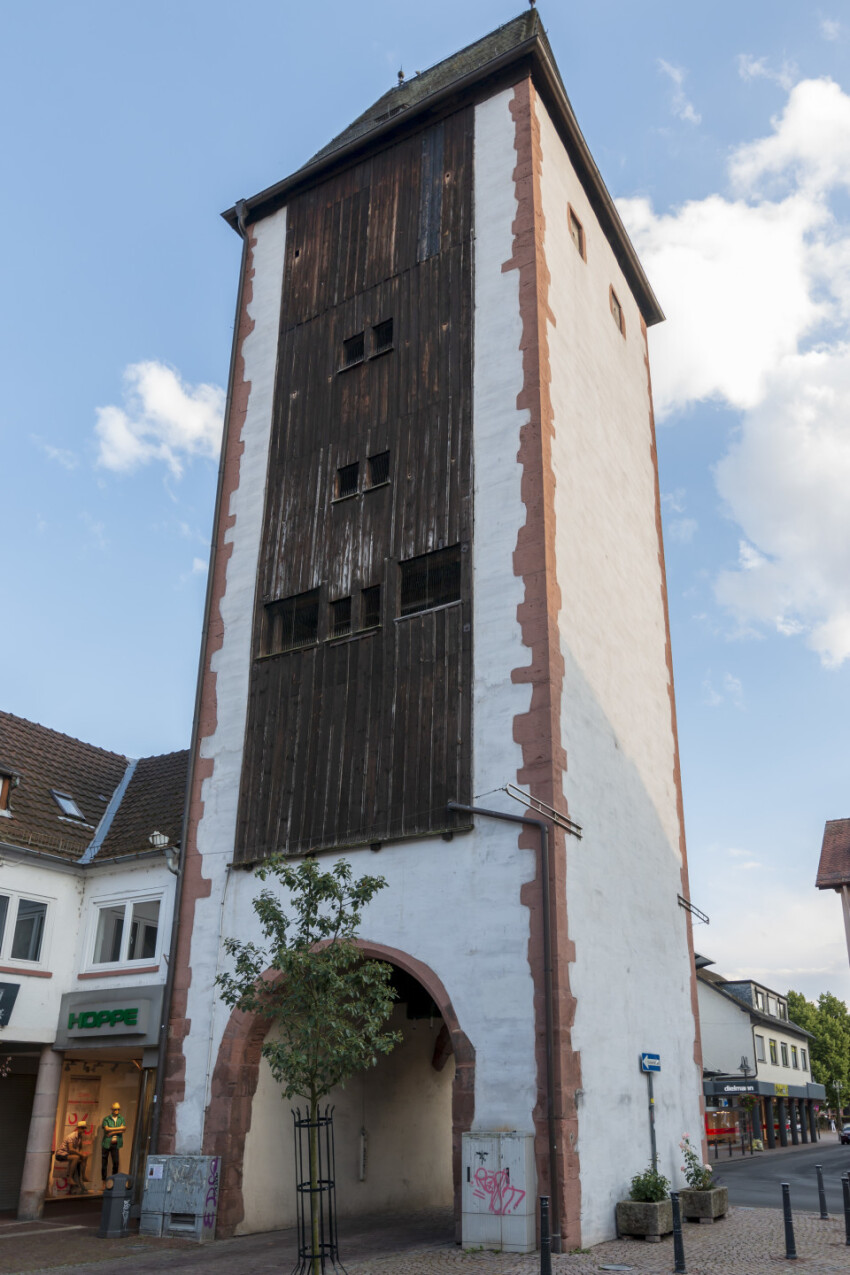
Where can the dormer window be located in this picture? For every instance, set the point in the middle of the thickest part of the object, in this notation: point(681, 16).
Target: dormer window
point(66, 804)
point(6, 785)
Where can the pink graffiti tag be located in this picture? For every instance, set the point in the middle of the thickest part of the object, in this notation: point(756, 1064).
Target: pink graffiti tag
point(212, 1195)
point(504, 1198)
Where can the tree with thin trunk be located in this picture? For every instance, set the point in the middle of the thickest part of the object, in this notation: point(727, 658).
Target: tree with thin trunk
point(309, 979)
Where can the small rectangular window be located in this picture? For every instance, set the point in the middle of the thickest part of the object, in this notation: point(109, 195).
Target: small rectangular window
point(794, 1059)
point(370, 607)
point(431, 580)
point(576, 232)
point(784, 1049)
point(760, 1000)
point(353, 350)
point(4, 908)
point(29, 930)
point(617, 311)
point(382, 337)
point(771, 1006)
point(292, 622)
point(347, 480)
point(5, 793)
point(110, 932)
point(774, 1057)
point(66, 804)
point(379, 469)
point(759, 1048)
point(341, 617)
point(144, 924)
point(804, 1060)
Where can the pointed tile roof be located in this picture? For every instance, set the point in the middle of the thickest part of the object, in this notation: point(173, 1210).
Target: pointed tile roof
point(43, 762)
point(834, 866)
point(467, 75)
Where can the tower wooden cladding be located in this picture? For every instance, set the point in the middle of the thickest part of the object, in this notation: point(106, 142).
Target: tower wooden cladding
point(359, 714)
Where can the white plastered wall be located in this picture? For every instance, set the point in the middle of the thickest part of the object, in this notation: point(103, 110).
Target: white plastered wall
point(631, 977)
point(453, 905)
point(403, 1108)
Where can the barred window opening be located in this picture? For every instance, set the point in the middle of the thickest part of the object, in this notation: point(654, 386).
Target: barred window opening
point(341, 617)
point(379, 469)
point(292, 622)
point(382, 336)
point(370, 607)
point(431, 580)
point(346, 480)
point(353, 350)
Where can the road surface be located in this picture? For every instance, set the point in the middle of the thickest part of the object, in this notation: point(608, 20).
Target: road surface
point(755, 1181)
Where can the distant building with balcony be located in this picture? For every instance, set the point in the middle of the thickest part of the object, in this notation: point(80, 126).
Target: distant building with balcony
point(752, 1049)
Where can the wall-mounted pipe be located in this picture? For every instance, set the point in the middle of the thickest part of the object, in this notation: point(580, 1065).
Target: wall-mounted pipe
point(543, 829)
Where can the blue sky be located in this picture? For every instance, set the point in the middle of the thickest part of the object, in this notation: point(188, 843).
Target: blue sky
point(724, 132)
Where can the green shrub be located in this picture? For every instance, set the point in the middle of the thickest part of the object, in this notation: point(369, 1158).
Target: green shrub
point(650, 1187)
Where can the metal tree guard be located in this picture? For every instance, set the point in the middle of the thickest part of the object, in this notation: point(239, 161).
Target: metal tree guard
point(317, 1233)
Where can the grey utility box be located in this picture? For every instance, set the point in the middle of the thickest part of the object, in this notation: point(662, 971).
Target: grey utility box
point(115, 1210)
point(181, 1197)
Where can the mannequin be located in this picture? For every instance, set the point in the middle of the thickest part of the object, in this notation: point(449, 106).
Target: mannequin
point(73, 1152)
point(113, 1130)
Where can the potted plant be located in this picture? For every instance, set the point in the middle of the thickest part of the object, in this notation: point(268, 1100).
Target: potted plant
point(648, 1212)
point(702, 1201)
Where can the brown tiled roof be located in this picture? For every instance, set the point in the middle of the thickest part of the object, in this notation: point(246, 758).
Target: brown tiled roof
point(153, 802)
point(44, 760)
point(834, 866)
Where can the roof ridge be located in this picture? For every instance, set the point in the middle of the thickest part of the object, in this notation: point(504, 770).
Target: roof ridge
point(72, 739)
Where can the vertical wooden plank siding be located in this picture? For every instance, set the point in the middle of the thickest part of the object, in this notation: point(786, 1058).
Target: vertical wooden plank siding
point(366, 737)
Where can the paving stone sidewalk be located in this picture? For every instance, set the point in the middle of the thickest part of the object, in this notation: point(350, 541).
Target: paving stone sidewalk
point(747, 1242)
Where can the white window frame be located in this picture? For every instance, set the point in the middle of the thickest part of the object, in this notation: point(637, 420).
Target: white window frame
point(763, 1057)
point(128, 901)
point(795, 1058)
point(14, 897)
point(804, 1061)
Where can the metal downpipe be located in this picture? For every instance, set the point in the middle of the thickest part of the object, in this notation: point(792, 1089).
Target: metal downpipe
point(548, 996)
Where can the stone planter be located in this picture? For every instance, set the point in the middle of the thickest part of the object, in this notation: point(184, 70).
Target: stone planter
point(647, 1219)
point(704, 1206)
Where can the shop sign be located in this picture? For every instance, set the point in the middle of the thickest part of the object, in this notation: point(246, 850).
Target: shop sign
point(742, 1088)
point(781, 1091)
point(97, 1020)
point(8, 996)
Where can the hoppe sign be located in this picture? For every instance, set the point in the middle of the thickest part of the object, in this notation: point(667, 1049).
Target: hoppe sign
point(120, 1019)
point(100, 1016)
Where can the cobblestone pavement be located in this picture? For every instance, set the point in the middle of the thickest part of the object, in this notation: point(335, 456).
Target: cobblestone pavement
point(747, 1242)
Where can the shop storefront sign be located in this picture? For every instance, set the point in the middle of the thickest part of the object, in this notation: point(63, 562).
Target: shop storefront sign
point(126, 1018)
point(103, 1016)
point(742, 1088)
point(781, 1091)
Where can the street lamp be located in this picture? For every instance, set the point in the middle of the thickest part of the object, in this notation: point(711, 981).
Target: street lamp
point(745, 1068)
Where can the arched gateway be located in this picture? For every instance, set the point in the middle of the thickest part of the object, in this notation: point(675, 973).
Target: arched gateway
point(236, 1077)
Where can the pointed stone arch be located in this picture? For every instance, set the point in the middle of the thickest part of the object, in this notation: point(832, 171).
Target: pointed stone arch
point(237, 1072)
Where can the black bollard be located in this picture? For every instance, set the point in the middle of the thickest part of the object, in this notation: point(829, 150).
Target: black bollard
point(845, 1187)
point(790, 1247)
point(678, 1243)
point(545, 1237)
point(716, 1148)
point(821, 1194)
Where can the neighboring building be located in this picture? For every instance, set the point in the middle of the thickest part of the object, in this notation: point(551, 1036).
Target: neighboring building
point(437, 570)
point(86, 901)
point(834, 866)
point(751, 1048)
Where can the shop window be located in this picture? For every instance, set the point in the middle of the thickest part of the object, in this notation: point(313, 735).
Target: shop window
point(126, 931)
point(774, 1056)
point(784, 1048)
point(431, 580)
point(760, 1048)
point(794, 1059)
point(21, 938)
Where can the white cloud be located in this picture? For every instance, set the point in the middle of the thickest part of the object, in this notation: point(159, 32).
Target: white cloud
point(199, 566)
point(681, 107)
point(752, 68)
point(806, 952)
point(63, 457)
point(162, 419)
point(729, 691)
point(682, 530)
point(756, 286)
point(830, 28)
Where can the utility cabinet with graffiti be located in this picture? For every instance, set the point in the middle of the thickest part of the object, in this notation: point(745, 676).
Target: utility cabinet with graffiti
point(499, 1191)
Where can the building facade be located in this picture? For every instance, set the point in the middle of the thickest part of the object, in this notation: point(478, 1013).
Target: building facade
point(86, 902)
point(756, 1062)
point(438, 576)
point(834, 866)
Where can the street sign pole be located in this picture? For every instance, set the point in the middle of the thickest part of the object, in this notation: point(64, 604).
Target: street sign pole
point(650, 1063)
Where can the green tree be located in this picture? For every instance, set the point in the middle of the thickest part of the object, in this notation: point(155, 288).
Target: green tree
point(829, 1023)
point(309, 979)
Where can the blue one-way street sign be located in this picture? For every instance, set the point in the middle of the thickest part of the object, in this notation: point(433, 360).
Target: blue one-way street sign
point(650, 1062)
